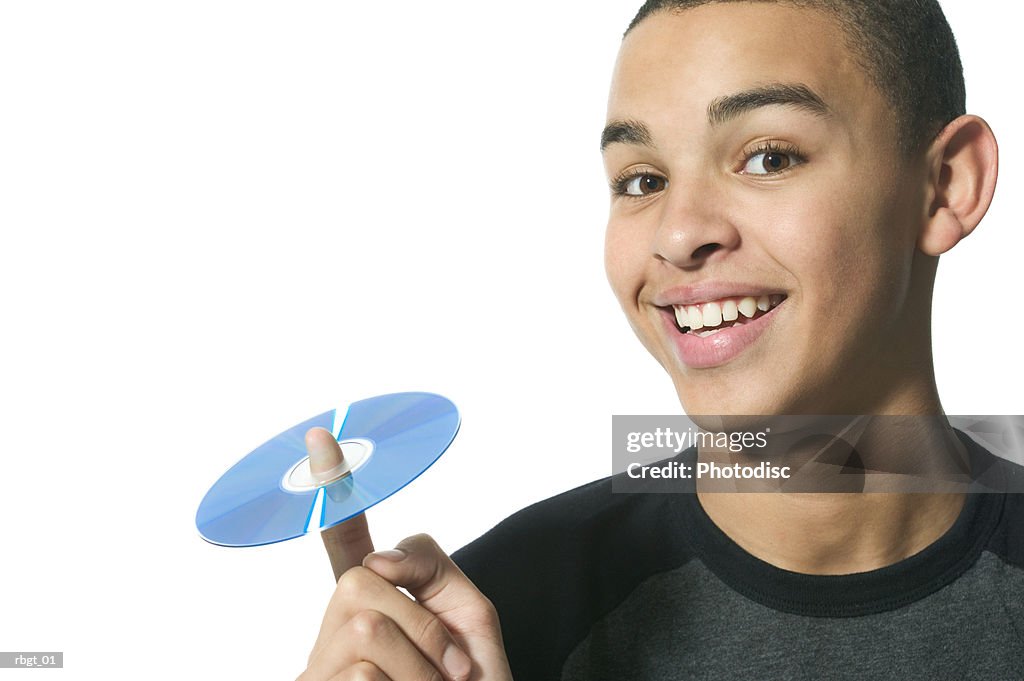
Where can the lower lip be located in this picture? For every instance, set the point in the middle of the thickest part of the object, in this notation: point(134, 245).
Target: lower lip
point(718, 348)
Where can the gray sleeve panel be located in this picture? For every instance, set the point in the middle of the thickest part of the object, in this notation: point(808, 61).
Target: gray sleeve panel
point(686, 624)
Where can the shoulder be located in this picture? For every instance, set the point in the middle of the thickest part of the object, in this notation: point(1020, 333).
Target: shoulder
point(560, 531)
point(551, 531)
point(556, 567)
point(1003, 479)
point(1007, 541)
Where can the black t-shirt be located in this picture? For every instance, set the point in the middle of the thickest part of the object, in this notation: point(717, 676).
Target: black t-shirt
point(598, 585)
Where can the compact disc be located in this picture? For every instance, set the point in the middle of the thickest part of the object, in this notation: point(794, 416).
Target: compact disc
point(270, 495)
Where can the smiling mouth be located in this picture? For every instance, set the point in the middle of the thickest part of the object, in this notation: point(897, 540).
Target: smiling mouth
point(707, 319)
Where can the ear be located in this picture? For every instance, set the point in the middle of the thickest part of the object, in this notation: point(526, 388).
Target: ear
point(963, 164)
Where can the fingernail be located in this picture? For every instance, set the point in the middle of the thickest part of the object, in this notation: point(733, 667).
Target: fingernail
point(394, 555)
point(456, 662)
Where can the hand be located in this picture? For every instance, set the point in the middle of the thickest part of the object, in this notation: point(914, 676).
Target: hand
point(371, 630)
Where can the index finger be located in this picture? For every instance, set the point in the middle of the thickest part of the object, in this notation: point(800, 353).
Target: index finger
point(349, 542)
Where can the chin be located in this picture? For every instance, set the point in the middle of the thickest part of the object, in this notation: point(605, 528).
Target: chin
point(727, 398)
point(717, 395)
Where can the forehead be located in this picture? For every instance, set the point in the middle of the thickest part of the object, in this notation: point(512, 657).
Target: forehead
point(673, 65)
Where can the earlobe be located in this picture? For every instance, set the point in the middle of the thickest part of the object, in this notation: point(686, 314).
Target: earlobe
point(965, 162)
point(942, 231)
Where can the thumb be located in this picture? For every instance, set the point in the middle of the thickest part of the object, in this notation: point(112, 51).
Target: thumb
point(423, 569)
point(347, 543)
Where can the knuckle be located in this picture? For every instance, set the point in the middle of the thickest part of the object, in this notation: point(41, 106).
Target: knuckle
point(353, 583)
point(432, 633)
point(370, 625)
point(419, 542)
point(349, 531)
point(488, 613)
point(363, 671)
point(486, 604)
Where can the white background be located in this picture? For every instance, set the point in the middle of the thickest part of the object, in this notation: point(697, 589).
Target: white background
point(220, 218)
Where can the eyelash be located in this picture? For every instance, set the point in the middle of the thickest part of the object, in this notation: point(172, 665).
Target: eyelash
point(620, 182)
point(775, 147)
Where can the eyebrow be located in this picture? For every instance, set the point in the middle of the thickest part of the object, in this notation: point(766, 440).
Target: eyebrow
point(724, 109)
point(625, 132)
point(796, 95)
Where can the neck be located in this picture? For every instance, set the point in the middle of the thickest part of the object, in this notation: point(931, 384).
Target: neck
point(831, 534)
point(842, 533)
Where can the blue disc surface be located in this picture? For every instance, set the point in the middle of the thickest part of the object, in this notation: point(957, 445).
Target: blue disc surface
point(250, 505)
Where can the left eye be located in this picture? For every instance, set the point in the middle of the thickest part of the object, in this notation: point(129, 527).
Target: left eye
point(641, 185)
point(769, 162)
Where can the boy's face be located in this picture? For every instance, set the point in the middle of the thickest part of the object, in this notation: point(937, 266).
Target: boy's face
point(809, 201)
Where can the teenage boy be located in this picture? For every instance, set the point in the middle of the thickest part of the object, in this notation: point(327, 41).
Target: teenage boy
point(813, 158)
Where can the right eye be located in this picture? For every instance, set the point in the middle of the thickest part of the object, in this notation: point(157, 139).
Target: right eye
point(640, 184)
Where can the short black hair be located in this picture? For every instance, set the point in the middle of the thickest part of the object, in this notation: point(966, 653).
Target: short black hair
point(906, 48)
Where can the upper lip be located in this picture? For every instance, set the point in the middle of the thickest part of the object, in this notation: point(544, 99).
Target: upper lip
point(707, 291)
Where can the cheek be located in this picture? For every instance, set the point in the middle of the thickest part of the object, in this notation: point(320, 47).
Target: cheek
point(624, 258)
point(627, 257)
point(848, 251)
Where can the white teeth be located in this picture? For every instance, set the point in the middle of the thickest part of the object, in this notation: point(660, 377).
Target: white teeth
point(712, 314)
point(748, 306)
point(682, 318)
point(696, 320)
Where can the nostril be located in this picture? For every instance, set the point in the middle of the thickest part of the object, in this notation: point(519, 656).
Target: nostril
point(705, 250)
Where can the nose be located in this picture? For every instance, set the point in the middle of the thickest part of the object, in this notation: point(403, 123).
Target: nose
point(693, 227)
